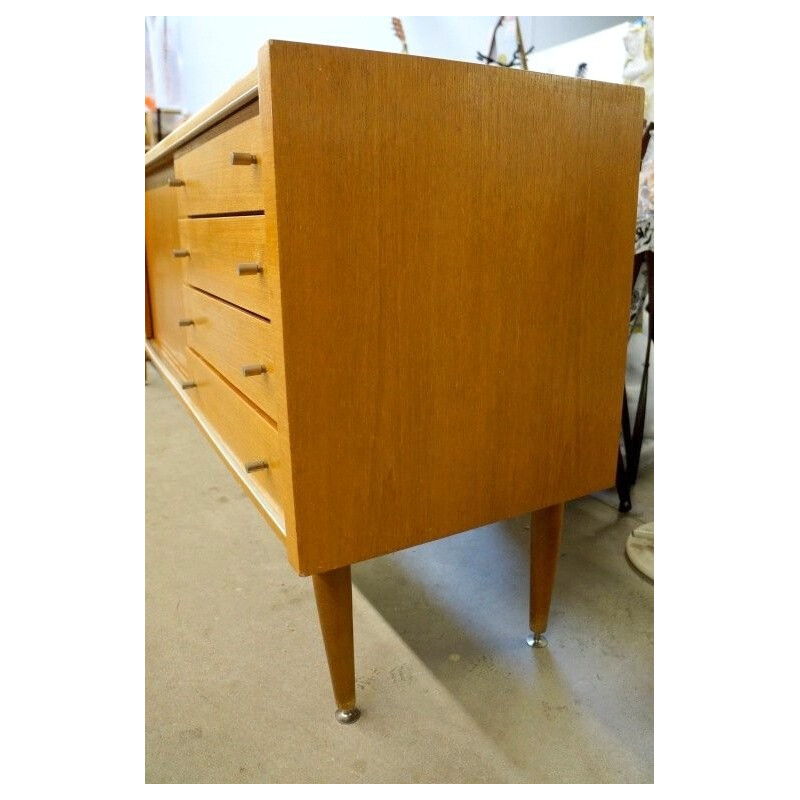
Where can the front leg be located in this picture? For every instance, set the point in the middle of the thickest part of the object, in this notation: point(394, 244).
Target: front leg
point(334, 593)
point(545, 542)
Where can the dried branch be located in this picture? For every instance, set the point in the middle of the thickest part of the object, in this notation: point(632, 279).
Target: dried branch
point(520, 46)
point(399, 32)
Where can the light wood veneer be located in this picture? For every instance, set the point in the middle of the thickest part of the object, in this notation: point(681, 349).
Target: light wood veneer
point(230, 339)
point(217, 246)
point(212, 183)
point(441, 300)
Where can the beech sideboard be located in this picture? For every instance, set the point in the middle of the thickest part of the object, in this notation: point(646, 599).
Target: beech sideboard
point(393, 293)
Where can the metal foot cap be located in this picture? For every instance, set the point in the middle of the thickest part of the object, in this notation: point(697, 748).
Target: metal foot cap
point(347, 715)
point(536, 640)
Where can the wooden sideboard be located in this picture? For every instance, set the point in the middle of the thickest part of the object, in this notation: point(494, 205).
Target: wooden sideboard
point(393, 293)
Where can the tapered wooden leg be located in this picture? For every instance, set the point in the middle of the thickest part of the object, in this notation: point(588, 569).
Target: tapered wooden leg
point(545, 542)
point(334, 594)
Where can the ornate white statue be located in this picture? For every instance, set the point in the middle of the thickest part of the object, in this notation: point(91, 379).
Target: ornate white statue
point(638, 71)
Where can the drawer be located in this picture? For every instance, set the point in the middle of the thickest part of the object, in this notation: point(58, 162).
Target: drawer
point(211, 183)
point(247, 433)
point(230, 339)
point(217, 246)
point(164, 274)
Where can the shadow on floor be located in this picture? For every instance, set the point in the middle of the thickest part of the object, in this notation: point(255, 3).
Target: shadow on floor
point(461, 604)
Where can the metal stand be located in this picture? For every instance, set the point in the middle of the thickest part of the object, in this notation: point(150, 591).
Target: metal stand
point(628, 462)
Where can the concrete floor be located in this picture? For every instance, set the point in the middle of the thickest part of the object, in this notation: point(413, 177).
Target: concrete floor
point(237, 687)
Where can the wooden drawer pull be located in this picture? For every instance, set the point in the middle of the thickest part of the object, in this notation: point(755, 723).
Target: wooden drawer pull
point(188, 385)
point(175, 182)
point(249, 269)
point(253, 369)
point(254, 466)
point(180, 253)
point(185, 323)
point(243, 159)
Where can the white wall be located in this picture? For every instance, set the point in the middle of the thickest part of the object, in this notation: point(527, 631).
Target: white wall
point(217, 51)
point(603, 52)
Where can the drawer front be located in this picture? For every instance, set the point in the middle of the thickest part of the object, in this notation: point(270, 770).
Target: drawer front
point(230, 340)
point(218, 246)
point(248, 434)
point(164, 272)
point(211, 183)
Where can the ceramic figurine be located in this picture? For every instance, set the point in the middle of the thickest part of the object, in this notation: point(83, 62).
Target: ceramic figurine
point(638, 70)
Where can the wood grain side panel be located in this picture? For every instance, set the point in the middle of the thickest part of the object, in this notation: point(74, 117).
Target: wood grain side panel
point(217, 246)
point(164, 271)
point(230, 339)
point(212, 184)
point(453, 290)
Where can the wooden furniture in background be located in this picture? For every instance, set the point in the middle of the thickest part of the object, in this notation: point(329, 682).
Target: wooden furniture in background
point(430, 261)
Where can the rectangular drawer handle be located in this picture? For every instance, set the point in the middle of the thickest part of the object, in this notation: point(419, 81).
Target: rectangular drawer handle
point(254, 466)
point(180, 253)
point(253, 369)
point(249, 269)
point(175, 182)
point(185, 323)
point(243, 159)
point(188, 385)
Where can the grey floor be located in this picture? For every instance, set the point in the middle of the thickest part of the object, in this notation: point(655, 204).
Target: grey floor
point(237, 686)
